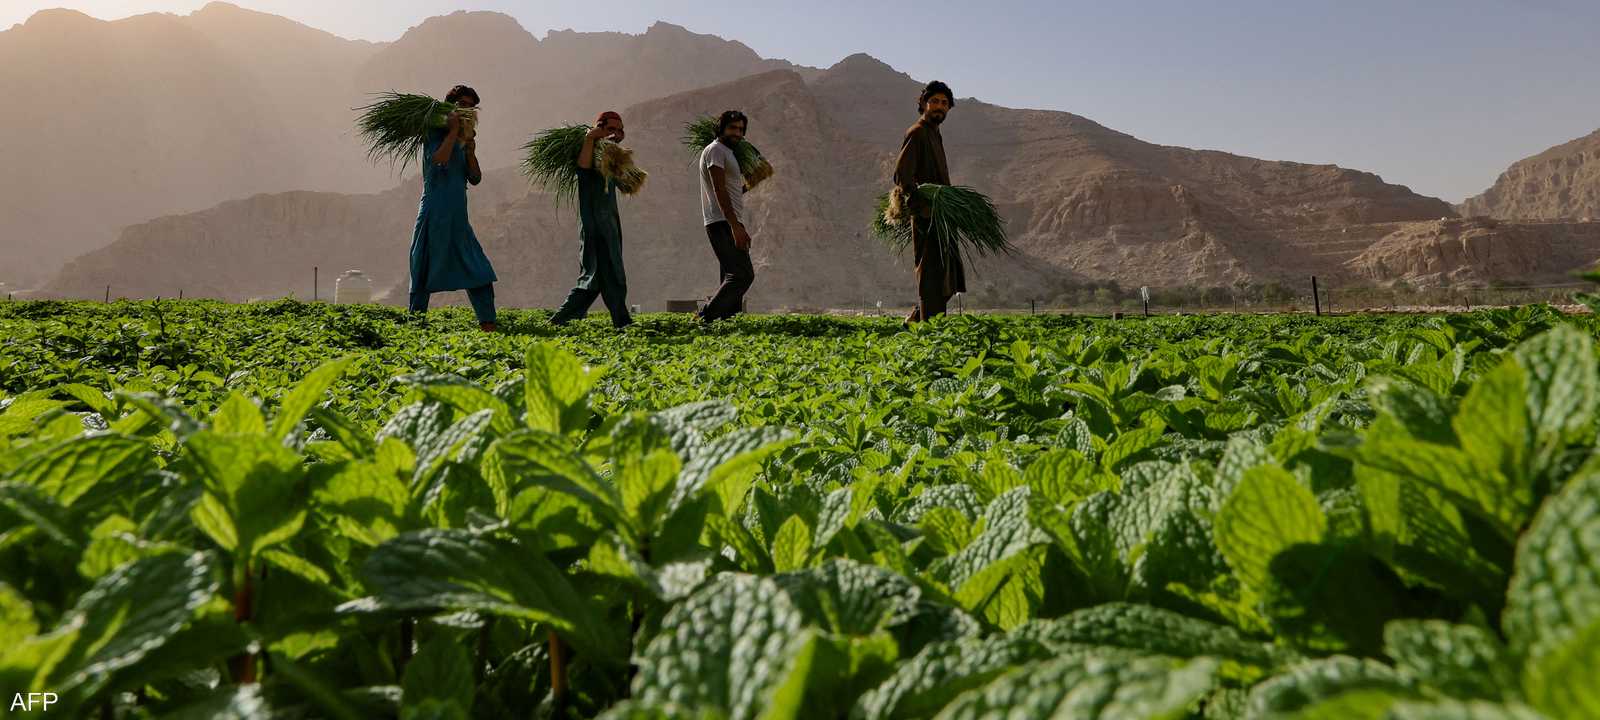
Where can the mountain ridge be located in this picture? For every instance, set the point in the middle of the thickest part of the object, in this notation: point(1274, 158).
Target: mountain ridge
point(1562, 182)
point(1086, 203)
point(177, 113)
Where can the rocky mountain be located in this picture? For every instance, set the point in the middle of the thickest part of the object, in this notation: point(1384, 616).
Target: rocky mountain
point(1562, 183)
point(802, 241)
point(131, 119)
point(157, 114)
point(1084, 203)
point(1478, 251)
point(1088, 203)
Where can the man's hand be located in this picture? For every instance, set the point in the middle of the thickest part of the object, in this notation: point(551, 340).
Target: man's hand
point(586, 155)
point(741, 237)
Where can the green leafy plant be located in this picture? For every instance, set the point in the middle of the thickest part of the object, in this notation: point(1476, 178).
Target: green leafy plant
point(1193, 517)
point(702, 131)
point(395, 125)
point(965, 221)
point(550, 161)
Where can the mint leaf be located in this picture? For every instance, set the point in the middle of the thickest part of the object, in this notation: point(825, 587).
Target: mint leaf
point(1268, 512)
point(728, 648)
point(305, 395)
point(434, 570)
point(1555, 590)
point(1461, 661)
point(440, 673)
point(1091, 688)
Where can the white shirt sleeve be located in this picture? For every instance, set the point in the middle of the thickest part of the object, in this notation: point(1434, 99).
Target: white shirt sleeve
point(718, 157)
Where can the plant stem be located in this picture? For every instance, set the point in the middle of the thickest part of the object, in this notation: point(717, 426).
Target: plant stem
point(408, 630)
point(242, 667)
point(558, 673)
point(483, 649)
point(635, 622)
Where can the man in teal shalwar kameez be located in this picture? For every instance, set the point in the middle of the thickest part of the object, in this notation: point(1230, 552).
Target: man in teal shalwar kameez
point(445, 254)
point(599, 236)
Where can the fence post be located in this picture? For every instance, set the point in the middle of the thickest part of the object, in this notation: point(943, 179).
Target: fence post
point(314, 283)
point(1032, 309)
point(108, 293)
point(1316, 299)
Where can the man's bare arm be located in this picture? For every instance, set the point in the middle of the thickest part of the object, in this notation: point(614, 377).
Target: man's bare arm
point(448, 147)
point(474, 172)
point(586, 155)
point(719, 187)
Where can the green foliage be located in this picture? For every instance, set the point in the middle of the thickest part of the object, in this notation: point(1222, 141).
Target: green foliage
point(755, 168)
point(396, 125)
point(550, 162)
point(964, 220)
point(289, 510)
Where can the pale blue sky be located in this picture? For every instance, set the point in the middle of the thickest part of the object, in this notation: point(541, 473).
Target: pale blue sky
point(1440, 95)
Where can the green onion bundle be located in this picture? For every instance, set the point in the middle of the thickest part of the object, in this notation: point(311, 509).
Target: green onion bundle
point(550, 160)
point(752, 165)
point(964, 220)
point(397, 124)
point(469, 123)
point(616, 162)
point(889, 225)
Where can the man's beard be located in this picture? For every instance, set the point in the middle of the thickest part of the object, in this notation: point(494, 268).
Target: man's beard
point(936, 118)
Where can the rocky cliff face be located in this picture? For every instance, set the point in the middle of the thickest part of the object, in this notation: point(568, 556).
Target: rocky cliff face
point(1478, 251)
point(1083, 202)
point(1562, 183)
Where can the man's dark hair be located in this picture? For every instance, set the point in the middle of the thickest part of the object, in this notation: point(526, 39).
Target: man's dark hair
point(461, 91)
point(730, 117)
point(934, 88)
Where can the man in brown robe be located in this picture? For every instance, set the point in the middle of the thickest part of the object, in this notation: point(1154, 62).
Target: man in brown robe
point(939, 278)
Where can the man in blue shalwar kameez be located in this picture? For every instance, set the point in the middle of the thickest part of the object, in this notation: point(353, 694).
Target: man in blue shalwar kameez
point(445, 254)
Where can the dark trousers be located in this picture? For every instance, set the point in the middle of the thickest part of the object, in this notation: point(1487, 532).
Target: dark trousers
point(938, 278)
point(737, 273)
point(481, 297)
point(606, 284)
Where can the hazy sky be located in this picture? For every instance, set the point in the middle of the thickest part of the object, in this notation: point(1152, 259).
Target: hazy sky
point(1440, 95)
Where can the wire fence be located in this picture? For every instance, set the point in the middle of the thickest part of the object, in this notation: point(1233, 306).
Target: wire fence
point(1275, 299)
point(1111, 299)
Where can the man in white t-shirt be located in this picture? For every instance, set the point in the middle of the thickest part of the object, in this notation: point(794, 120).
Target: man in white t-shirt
point(722, 204)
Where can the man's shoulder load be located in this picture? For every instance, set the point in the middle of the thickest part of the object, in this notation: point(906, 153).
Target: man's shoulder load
point(550, 162)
